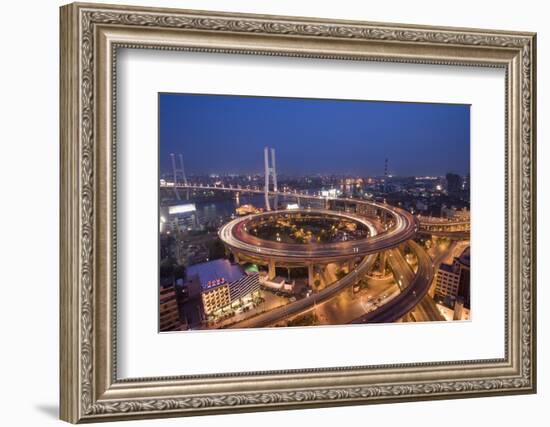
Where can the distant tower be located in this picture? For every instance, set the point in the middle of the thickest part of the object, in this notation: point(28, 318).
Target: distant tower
point(270, 171)
point(386, 175)
point(178, 172)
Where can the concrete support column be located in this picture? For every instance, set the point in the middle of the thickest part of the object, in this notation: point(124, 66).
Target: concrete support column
point(351, 264)
point(271, 270)
point(383, 259)
point(310, 275)
point(459, 308)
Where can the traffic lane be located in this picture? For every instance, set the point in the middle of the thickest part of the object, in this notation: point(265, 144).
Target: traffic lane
point(299, 306)
point(409, 297)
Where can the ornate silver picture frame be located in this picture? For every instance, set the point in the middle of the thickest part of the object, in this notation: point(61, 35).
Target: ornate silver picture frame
point(91, 34)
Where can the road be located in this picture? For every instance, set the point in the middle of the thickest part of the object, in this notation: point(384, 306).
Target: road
point(444, 228)
point(405, 226)
point(235, 236)
point(426, 311)
point(412, 291)
point(456, 235)
point(305, 304)
point(402, 271)
point(346, 306)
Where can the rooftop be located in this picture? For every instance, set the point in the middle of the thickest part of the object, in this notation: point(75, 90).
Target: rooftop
point(215, 273)
point(465, 257)
point(446, 267)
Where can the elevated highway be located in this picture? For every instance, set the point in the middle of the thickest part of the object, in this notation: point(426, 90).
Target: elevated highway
point(457, 230)
point(234, 234)
point(403, 227)
point(414, 287)
point(305, 304)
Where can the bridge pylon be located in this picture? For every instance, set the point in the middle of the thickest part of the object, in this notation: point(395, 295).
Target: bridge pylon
point(177, 173)
point(270, 172)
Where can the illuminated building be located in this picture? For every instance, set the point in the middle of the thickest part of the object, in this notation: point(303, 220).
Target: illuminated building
point(247, 210)
point(215, 296)
point(447, 281)
point(222, 284)
point(453, 281)
point(455, 214)
point(181, 217)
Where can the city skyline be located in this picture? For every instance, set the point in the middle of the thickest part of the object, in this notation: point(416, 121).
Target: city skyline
point(418, 138)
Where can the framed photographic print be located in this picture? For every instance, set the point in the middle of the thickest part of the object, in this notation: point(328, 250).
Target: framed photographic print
point(264, 212)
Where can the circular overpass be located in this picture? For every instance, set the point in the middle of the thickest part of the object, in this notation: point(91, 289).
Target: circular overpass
point(298, 236)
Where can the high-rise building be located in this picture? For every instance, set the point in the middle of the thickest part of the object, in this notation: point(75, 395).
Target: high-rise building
point(464, 284)
point(447, 281)
point(453, 280)
point(454, 183)
point(169, 315)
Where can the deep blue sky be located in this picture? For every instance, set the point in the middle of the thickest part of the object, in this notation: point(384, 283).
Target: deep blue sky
point(226, 134)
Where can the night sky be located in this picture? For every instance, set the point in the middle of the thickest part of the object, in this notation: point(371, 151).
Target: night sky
point(226, 134)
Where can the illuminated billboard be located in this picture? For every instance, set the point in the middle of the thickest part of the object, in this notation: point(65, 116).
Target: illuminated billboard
point(178, 209)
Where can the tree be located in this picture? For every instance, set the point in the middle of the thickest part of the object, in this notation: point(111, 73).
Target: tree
point(167, 267)
point(216, 249)
point(179, 272)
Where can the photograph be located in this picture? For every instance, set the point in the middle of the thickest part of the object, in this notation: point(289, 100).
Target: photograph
point(303, 212)
point(275, 208)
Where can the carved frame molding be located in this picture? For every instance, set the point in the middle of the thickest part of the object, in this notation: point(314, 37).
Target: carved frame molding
point(90, 37)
